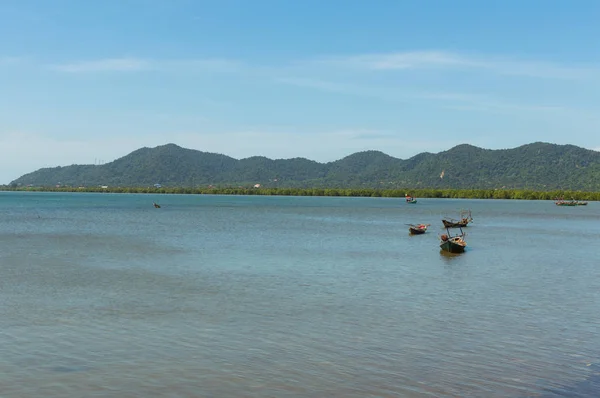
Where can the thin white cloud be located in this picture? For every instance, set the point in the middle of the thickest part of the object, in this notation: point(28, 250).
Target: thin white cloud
point(132, 64)
point(218, 64)
point(450, 60)
point(447, 100)
point(314, 83)
point(105, 65)
point(470, 102)
point(10, 60)
point(448, 96)
point(380, 92)
point(503, 107)
point(336, 87)
point(544, 112)
point(401, 60)
point(394, 61)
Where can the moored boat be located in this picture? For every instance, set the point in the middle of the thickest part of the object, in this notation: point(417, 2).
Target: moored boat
point(465, 219)
point(566, 203)
point(572, 202)
point(417, 229)
point(410, 199)
point(453, 243)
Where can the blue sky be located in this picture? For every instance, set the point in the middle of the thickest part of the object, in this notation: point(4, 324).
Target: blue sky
point(84, 81)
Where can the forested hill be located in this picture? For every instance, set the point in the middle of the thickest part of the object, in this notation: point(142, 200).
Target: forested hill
point(539, 166)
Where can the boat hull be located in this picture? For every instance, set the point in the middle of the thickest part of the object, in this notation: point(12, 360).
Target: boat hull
point(417, 231)
point(454, 224)
point(452, 247)
point(570, 203)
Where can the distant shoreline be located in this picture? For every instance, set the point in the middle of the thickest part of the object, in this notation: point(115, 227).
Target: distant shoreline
point(519, 194)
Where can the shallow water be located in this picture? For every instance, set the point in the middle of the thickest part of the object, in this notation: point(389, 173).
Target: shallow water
point(215, 296)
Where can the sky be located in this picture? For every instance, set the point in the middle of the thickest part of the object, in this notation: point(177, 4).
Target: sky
point(85, 82)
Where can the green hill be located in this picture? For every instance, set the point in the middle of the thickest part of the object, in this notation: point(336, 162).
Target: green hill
point(538, 166)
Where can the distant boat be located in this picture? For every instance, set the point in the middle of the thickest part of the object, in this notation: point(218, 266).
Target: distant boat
point(410, 199)
point(465, 219)
point(417, 229)
point(156, 205)
point(453, 243)
point(572, 202)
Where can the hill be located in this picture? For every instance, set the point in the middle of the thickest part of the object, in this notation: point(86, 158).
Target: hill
point(538, 166)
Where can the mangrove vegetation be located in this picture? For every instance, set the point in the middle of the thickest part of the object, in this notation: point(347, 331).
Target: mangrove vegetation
point(348, 192)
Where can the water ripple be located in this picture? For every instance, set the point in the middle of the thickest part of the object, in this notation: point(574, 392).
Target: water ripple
point(294, 297)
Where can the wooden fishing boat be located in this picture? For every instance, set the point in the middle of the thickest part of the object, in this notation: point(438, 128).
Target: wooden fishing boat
point(572, 202)
point(562, 202)
point(452, 223)
point(566, 203)
point(410, 199)
point(465, 219)
point(453, 243)
point(417, 229)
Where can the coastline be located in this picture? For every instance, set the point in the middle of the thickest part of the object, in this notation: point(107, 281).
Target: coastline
point(515, 194)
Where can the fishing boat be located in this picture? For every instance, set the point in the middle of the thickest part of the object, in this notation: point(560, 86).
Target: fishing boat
point(410, 199)
point(417, 229)
point(566, 203)
point(572, 202)
point(156, 205)
point(562, 202)
point(465, 219)
point(453, 243)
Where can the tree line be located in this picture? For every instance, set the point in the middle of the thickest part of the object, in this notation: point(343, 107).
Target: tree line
point(347, 192)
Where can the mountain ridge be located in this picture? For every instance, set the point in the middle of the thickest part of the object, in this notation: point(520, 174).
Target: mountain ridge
point(538, 165)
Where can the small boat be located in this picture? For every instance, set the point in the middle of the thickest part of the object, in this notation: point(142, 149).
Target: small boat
point(156, 205)
point(452, 223)
point(566, 203)
point(572, 202)
point(410, 199)
point(417, 229)
point(465, 219)
point(453, 243)
point(562, 202)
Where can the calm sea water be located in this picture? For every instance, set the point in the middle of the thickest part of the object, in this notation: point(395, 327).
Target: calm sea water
point(102, 295)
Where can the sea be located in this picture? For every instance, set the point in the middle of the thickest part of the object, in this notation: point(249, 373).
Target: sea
point(103, 295)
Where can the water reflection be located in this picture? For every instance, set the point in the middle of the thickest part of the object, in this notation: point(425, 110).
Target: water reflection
point(449, 258)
